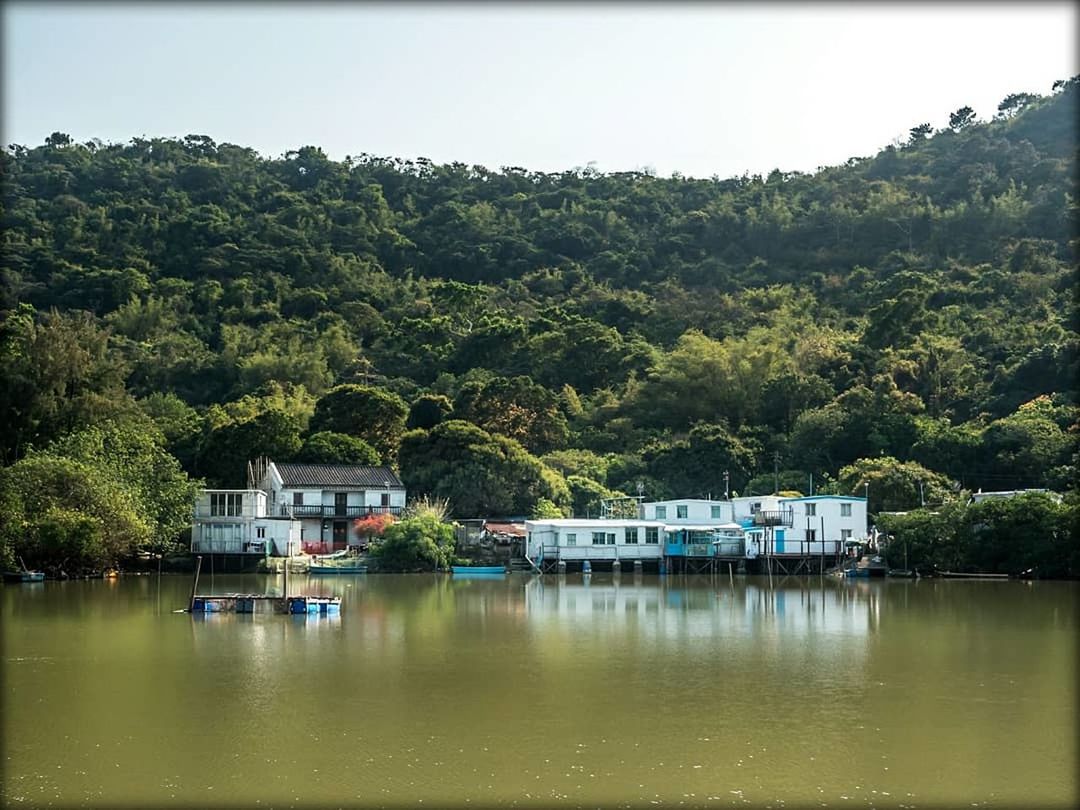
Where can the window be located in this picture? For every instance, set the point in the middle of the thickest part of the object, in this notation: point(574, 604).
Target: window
point(652, 535)
point(715, 511)
point(598, 538)
point(755, 508)
point(811, 535)
point(632, 536)
point(298, 499)
point(611, 538)
point(680, 512)
point(845, 534)
point(661, 512)
point(386, 499)
point(845, 510)
point(571, 539)
point(260, 532)
point(226, 504)
point(811, 509)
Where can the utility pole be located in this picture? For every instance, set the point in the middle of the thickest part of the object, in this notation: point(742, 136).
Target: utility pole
point(727, 479)
point(922, 500)
point(776, 472)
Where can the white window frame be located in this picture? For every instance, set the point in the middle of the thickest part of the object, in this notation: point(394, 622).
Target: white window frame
point(652, 535)
point(571, 538)
point(681, 511)
point(845, 510)
point(660, 513)
point(632, 535)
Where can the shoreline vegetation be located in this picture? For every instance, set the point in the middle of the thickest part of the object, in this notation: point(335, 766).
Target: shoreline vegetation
point(904, 326)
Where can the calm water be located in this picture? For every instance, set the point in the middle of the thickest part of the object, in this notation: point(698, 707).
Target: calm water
point(429, 691)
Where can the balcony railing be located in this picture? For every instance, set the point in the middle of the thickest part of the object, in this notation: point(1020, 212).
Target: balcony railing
point(779, 517)
point(339, 512)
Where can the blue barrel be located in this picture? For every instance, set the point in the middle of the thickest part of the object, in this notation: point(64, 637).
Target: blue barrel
point(313, 606)
point(333, 608)
point(663, 567)
point(298, 605)
point(198, 605)
point(586, 567)
point(211, 606)
point(245, 604)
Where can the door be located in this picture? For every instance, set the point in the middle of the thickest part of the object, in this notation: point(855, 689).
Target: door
point(341, 502)
point(341, 534)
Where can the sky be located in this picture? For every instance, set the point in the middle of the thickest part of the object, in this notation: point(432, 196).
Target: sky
point(699, 89)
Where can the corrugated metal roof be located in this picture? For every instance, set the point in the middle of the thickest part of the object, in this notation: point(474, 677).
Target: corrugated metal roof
point(328, 476)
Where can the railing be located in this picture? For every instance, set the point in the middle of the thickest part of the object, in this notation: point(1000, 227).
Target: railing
point(781, 517)
point(340, 512)
point(229, 547)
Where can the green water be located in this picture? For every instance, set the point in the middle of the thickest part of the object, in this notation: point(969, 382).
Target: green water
point(640, 691)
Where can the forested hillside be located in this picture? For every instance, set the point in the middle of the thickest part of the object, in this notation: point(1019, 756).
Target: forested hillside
point(509, 338)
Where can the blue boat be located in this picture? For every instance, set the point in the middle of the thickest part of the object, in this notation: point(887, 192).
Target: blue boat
point(478, 569)
point(24, 576)
point(337, 569)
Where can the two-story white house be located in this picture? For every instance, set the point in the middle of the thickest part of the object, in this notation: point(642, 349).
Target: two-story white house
point(327, 498)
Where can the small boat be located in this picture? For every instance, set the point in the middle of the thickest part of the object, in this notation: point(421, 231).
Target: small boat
point(344, 568)
point(24, 576)
point(477, 569)
point(873, 567)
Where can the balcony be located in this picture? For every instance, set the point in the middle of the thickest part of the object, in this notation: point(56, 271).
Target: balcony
point(335, 512)
point(780, 517)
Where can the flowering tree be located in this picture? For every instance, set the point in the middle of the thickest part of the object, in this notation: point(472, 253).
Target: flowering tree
point(372, 525)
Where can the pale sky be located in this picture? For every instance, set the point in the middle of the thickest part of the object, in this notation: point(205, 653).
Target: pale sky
point(699, 89)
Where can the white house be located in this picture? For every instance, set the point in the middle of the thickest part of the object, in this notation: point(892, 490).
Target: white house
point(580, 539)
point(235, 521)
point(327, 498)
point(811, 525)
point(688, 510)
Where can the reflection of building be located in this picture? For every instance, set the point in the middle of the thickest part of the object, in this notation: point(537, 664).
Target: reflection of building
point(289, 507)
point(671, 612)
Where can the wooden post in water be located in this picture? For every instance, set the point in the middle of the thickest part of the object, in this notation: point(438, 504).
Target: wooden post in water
point(730, 575)
point(821, 567)
point(195, 583)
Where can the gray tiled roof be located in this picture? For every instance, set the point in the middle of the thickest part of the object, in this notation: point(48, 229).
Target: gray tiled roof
point(337, 475)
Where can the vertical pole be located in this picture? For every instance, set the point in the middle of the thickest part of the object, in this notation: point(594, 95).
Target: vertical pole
point(822, 547)
point(195, 582)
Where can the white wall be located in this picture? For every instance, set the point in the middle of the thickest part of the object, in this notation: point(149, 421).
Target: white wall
point(551, 533)
point(697, 511)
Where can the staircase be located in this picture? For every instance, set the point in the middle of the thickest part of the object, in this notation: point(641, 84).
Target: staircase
point(520, 564)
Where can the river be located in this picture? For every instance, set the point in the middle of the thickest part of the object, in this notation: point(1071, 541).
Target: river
point(546, 692)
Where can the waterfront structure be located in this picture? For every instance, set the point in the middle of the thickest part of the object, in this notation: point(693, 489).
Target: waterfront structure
point(289, 508)
point(327, 498)
point(694, 534)
point(980, 496)
point(236, 521)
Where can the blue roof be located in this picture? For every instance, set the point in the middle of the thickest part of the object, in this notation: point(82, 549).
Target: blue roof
point(825, 497)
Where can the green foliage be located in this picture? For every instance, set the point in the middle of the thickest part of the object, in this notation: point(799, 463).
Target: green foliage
point(337, 448)
point(587, 496)
point(227, 450)
point(546, 509)
point(368, 413)
point(998, 536)
point(516, 408)
point(65, 515)
point(416, 543)
point(480, 474)
point(428, 411)
point(894, 486)
point(908, 304)
point(132, 455)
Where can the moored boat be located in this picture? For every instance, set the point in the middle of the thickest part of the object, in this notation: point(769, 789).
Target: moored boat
point(872, 567)
point(24, 576)
point(478, 569)
point(344, 568)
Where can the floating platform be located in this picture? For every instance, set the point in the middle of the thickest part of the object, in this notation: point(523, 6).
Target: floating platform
point(259, 603)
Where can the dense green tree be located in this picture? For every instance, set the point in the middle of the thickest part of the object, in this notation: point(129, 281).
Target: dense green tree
point(226, 451)
point(482, 475)
point(516, 408)
point(428, 410)
point(894, 486)
point(416, 543)
point(337, 448)
point(374, 415)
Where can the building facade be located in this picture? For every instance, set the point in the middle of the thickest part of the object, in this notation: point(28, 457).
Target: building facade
point(296, 507)
point(327, 498)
